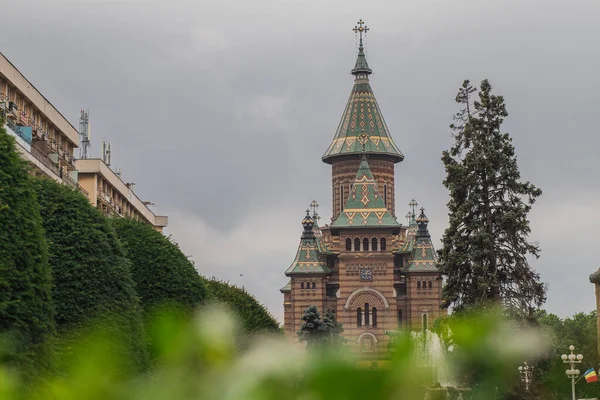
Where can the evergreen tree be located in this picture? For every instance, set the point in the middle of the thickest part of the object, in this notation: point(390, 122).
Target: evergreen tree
point(317, 331)
point(164, 276)
point(92, 276)
point(253, 315)
point(485, 247)
point(26, 310)
point(312, 329)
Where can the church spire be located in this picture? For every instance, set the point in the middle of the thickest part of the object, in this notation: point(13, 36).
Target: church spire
point(362, 115)
point(361, 69)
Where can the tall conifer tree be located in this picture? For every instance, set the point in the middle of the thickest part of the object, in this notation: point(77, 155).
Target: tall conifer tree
point(485, 247)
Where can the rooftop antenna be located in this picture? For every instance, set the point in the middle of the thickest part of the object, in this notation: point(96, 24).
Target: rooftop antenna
point(84, 133)
point(106, 153)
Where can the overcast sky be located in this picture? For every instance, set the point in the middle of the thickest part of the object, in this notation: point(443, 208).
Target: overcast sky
point(220, 111)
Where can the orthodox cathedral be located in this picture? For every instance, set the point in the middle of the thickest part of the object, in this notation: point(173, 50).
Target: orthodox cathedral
point(378, 274)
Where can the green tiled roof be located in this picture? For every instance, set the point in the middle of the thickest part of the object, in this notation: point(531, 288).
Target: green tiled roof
point(422, 258)
point(365, 206)
point(287, 288)
point(411, 234)
point(362, 116)
point(309, 260)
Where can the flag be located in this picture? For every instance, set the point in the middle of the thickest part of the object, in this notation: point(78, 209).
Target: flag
point(590, 375)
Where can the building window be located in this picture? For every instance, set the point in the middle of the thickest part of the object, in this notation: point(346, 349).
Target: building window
point(399, 319)
point(341, 198)
point(348, 244)
point(385, 195)
point(302, 285)
point(314, 286)
point(366, 314)
point(418, 285)
point(374, 317)
point(374, 244)
point(356, 244)
point(367, 345)
point(365, 244)
point(359, 317)
point(430, 285)
point(383, 244)
point(425, 322)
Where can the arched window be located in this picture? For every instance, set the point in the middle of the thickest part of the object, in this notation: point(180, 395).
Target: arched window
point(365, 244)
point(374, 244)
point(348, 244)
point(357, 244)
point(301, 285)
point(374, 317)
point(425, 322)
point(314, 285)
point(385, 195)
point(383, 244)
point(341, 198)
point(366, 314)
point(418, 285)
point(358, 317)
point(399, 319)
point(430, 285)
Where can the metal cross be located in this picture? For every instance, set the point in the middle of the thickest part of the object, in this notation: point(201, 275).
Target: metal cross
point(360, 28)
point(314, 206)
point(413, 205)
point(408, 215)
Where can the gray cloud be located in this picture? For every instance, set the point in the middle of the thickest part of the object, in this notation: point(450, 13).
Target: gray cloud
point(220, 111)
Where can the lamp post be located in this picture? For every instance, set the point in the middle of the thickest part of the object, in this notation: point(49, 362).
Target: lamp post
point(526, 372)
point(572, 373)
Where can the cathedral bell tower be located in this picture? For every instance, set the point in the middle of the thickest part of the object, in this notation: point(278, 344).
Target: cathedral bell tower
point(362, 117)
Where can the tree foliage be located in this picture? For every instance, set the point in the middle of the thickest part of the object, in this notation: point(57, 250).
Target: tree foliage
point(164, 276)
point(316, 331)
point(26, 311)
point(485, 247)
point(253, 315)
point(92, 276)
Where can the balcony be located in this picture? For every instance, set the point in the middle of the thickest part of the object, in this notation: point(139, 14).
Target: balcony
point(43, 158)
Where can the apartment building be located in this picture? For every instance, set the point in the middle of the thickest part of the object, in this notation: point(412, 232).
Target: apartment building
point(44, 136)
point(47, 140)
point(108, 192)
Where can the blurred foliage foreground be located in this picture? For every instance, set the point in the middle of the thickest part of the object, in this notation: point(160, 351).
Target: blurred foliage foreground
point(200, 357)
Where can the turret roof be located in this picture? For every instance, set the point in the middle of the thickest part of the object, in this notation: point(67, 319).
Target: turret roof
point(309, 260)
point(365, 206)
point(422, 258)
point(362, 115)
point(411, 232)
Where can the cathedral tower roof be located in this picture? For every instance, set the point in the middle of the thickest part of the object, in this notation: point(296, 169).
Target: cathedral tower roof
point(362, 115)
point(422, 258)
point(411, 232)
point(309, 260)
point(365, 206)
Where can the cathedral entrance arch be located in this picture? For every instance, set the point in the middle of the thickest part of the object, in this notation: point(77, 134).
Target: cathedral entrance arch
point(366, 296)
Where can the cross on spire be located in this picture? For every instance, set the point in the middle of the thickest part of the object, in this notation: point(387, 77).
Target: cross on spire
point(360, 29)
point(413, 207)
point(314, 206)
point(408, 216)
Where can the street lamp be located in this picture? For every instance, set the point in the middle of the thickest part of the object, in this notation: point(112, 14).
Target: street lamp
point(572, 373)
point(526, 372)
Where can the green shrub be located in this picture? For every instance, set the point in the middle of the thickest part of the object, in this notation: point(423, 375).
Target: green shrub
point(253, 315)
point(26, 312)
point(92, 276)
point(163, 274)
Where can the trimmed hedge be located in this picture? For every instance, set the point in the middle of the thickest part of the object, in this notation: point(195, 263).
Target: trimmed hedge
point(26, 311)
point(92, 276)
point(164, 276)
point(253, 315)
